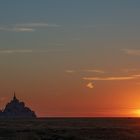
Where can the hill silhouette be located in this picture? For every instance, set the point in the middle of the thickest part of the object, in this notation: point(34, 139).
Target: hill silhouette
point(15, 109)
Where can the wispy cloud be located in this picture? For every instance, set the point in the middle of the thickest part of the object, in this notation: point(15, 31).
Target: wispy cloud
point(27, 27)
point(95, 71)
point(36, 25)
point(135, 52)
point(115, 78)
point(129, 70)
point(86, 71)
point(70, 71)
point(17, 29)
point(15, 51)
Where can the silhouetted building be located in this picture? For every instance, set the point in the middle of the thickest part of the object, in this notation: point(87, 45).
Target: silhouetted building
point(15, 109)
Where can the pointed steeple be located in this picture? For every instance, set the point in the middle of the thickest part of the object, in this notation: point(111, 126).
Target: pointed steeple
point(14, 98)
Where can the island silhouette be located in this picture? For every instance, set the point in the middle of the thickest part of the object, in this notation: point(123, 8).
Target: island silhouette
point(16, 109)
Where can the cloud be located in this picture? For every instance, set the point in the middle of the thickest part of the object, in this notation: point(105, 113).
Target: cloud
point(70, 71)
point(129, 70)
point(16, 29)
point(23, 29)
point(90, 85)
point(36, 25)
point(87, 71)
point(117, 78)
point(95, 71)
point(27, 27)
point(136, 75)
point(15, 51)
point(135, 52)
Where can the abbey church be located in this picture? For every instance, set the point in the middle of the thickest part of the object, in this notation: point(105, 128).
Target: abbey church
point(15, 109)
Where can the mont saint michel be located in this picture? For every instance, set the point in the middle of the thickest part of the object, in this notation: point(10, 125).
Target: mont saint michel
point(17, 109)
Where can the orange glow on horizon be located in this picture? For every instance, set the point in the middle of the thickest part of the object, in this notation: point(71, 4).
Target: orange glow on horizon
point(136, 112)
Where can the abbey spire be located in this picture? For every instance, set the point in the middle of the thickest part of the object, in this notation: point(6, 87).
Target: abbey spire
point(14, 98)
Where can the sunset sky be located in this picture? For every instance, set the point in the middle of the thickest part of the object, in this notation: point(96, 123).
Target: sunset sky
point(71, 57)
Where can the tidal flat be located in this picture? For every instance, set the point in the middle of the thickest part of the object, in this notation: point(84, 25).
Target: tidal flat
point(70, 129)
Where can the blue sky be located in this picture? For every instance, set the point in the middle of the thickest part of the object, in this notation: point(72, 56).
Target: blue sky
point(80, 19)
point(59, 10)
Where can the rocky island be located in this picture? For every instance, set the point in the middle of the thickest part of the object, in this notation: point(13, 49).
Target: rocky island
point(16, 109)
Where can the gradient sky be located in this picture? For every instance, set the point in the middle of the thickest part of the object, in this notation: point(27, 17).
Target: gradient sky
point(71, 58)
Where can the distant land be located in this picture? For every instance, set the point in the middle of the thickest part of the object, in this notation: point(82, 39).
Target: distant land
point(16, 109)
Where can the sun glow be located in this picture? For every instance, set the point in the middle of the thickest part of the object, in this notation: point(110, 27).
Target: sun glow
point(136, 112)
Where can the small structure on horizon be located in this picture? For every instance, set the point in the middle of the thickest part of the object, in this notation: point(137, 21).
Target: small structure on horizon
point(17, 109)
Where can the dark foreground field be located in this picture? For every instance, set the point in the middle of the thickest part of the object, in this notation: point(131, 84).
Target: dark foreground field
point(70, 129)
